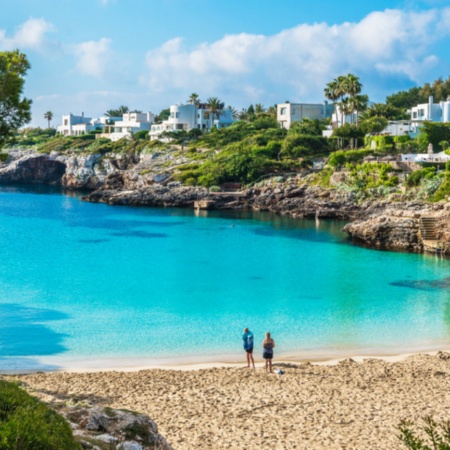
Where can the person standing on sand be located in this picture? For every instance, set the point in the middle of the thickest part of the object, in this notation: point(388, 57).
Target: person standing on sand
point(268, 346)
point(247, 340)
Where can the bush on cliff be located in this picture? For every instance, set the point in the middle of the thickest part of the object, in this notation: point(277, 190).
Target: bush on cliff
point(415, 178)
point(341, 158)
point(27, 423)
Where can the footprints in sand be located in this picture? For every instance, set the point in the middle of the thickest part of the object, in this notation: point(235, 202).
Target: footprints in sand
point(350, 406)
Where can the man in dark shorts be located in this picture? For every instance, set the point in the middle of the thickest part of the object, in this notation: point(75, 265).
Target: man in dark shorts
point(247, 340)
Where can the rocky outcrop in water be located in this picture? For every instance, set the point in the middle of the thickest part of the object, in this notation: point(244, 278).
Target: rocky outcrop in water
point(33, 168)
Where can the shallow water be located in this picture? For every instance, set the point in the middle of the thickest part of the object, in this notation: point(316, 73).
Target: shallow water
point(89, 285)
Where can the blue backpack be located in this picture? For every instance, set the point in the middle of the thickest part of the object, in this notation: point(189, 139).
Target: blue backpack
point(248, 340)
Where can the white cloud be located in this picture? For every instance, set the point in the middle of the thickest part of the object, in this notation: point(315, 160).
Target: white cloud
point(302, 59)
point(32, 34)
point(93, 57)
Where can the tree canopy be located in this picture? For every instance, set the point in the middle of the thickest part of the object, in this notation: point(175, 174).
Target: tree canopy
point(14, 108)
point(439, 89)
point(118, 112)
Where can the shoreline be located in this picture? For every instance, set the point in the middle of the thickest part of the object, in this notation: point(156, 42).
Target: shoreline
point(127, 365)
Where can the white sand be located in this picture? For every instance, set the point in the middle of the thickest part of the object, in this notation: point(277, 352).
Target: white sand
point(312, 406)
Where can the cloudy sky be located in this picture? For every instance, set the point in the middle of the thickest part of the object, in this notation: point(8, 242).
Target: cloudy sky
point(93, 55)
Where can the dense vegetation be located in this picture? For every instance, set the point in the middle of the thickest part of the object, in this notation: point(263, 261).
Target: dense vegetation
point(439, 89)
point(247, 151)
point(27, 423)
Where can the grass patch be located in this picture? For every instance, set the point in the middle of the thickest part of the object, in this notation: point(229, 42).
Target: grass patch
point(27, 423)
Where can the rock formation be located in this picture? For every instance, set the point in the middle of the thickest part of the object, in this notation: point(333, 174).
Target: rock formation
point(100, 428)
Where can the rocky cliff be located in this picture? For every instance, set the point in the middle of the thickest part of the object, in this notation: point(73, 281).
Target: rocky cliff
point(147, 179)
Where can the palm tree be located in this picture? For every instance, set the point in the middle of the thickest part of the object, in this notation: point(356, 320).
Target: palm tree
point(194, 99)
point(259, 108)
point(48, 116)
point(352, 86)
point(215, 108)
point(272, 111)
point(334, 91)
point(358, 104)
point(234, 112)
point(345, 107)
point(120, 111)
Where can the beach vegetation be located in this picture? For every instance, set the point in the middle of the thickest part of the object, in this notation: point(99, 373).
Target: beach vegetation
point(15, 108)
point(431, 435)
point(27, 423)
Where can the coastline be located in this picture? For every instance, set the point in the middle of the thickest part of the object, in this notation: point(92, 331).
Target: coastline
point(104, 365)
point(391, 223)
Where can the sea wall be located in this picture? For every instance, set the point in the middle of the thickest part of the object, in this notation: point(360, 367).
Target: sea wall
point(146, 180)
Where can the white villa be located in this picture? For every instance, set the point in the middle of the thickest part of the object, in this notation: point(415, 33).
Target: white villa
point(127, 125)
point(187, 117)
point(434, 112)
point(78, 125)
point(292, 112)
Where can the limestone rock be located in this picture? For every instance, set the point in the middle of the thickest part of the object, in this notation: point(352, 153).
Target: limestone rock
point(105, 428)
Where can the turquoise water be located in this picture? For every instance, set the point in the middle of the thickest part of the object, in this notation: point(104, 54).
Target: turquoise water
point(90, 285)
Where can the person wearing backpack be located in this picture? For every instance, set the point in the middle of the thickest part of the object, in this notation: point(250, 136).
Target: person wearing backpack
point(247, 341)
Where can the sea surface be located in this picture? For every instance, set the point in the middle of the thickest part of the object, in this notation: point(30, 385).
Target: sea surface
point(87, 285)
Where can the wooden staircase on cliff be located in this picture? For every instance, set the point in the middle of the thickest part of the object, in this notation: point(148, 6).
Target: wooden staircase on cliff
point(428, 230)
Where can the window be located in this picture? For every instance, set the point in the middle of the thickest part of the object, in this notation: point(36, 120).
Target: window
point(66, 122)
point(421, 112)
point(172, 115)
point(177, 115)
point(414, 115)
point(283, 111)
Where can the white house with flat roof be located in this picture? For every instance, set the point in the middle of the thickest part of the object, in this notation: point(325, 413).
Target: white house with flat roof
point(187, 117)
point(127, 125)
point(434, 112)
point(296, 112)
point(72, 125)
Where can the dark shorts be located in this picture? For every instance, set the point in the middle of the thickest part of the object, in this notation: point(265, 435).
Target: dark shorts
point(267, 355)
point(249, 350)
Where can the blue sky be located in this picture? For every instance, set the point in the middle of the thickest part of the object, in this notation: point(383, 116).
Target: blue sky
point(93, 55)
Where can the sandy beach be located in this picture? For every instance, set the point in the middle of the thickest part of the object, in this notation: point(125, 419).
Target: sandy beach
point(349, 405)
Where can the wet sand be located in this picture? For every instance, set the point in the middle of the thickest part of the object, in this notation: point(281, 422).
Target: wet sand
point(351, 405)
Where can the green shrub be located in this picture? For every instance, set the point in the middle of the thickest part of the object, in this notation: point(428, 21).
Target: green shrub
point(214, 189)
point(443, 189)
point(431, 436)
point(415, 178)
point(27, 423)
point(341, 157)
point(298, 145)
point(382, 142)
